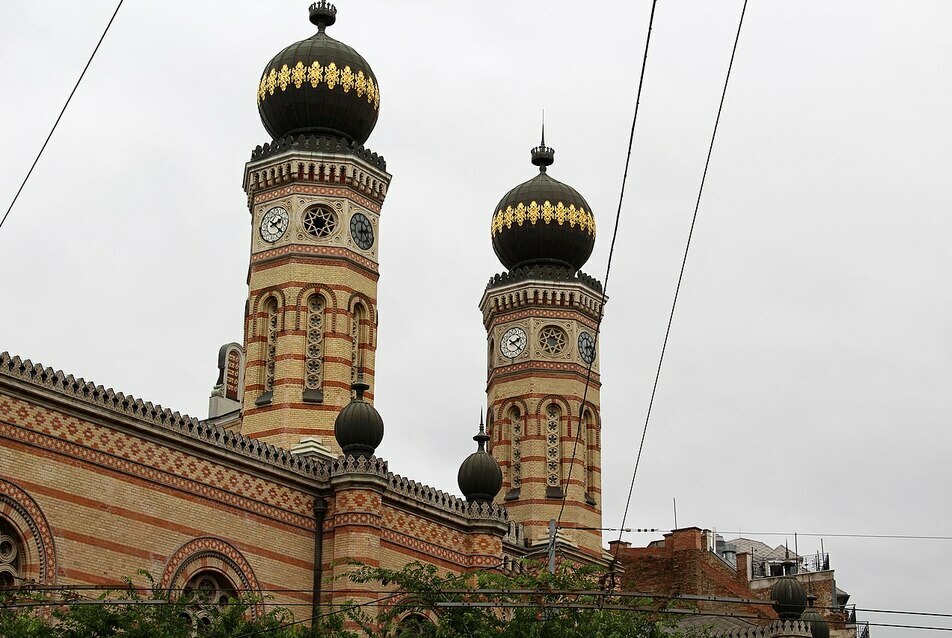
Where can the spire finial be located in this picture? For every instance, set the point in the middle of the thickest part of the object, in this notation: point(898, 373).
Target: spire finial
point(323, 14)
point(543, 155)
point(359, 387)
point(481, 438)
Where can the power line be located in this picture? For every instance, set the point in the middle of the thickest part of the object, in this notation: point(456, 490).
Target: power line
point(608, 267)
point(684, 259)
point(60, 116)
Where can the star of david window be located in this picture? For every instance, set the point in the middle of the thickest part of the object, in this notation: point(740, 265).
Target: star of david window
point(552, 340)
point(319, 222)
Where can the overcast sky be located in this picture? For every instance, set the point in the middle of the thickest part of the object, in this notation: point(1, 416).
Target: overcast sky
point(807, 381)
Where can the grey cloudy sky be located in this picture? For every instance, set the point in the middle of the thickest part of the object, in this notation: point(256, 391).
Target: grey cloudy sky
point(806, 387)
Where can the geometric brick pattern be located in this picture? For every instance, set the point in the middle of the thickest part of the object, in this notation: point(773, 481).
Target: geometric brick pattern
point(165, 466)
point(156, 415)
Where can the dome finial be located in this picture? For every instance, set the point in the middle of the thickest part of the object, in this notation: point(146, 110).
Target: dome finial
point(479, 477)
point(543, 155)
point(323, 14)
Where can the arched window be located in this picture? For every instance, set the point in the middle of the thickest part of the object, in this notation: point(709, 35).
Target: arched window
point(11, 557)
point(314, 350)
point(515, 452)
point(553, 440)
point(205, 591)
point(591, 450)
point(412, 625)
point(271, 350)
point(357, 341)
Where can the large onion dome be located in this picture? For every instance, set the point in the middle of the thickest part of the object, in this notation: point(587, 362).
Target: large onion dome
point(814, 620)
point(319, 86)
point(789, 598)
point(480, 478)
point(543, 221)
point(359, 427)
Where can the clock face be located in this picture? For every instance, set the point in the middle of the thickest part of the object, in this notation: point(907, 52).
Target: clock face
point(361, 231)
point(513, 342)
point(274, 224)
point(586, 347)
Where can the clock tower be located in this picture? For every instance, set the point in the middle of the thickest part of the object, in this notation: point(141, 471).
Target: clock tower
point(543, 381)
point(315, 196)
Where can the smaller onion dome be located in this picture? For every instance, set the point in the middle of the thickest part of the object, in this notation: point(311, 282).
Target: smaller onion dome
point(543, 221)
point(480, 478)
point(789, 598)
point(319, 86)
point(359, 427)
point(814, 620)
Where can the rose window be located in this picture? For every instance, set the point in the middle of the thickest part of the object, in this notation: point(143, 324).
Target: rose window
point(320, 222)
point(552, 340)
point(10, 555)
point(206, 591)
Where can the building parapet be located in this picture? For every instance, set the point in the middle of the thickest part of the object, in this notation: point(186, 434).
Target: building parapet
point(776, 629)
point(156, 416)
point(418, 492)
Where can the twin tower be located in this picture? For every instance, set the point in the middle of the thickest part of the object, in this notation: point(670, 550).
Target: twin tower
point(315, 195)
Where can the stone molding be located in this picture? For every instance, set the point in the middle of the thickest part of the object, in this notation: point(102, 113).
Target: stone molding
point(199, 553)
point(29, 513)
point(158, 417)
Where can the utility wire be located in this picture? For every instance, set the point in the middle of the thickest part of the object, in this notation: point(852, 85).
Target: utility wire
point(60, 116)
point(608, 267)
point(684, 259)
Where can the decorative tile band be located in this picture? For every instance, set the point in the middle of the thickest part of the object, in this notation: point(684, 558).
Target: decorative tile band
point(330, 76)
point(547, 213)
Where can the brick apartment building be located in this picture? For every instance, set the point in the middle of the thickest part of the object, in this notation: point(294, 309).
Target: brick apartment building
point(734, 575)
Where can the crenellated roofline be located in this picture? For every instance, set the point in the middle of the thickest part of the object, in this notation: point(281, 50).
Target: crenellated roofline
point(47, 381)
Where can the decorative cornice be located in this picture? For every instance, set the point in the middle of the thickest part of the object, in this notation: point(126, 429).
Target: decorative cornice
point(418, 492)
point(543, 273)
point(546, 212)
point(318, 144)
point(541, 286)
point(330, 76)
point(157, 417)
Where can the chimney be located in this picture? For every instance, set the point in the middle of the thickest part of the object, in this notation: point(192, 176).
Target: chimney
point(743, 567)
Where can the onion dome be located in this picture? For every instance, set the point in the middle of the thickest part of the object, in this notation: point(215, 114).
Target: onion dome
point(480, 478)
point(789, 598)
point(319, 86)
point(543, 221)
point(814, 620)
point(359, 427)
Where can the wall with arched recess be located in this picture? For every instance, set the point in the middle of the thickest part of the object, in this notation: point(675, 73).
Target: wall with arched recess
point(23, 513)
point(211, 554)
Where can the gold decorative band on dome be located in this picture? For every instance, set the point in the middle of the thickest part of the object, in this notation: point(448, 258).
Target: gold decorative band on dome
point(330, 76)
point(547, 213)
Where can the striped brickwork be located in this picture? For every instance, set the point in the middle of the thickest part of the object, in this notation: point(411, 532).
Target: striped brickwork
point(534, 402)
point(287, 272)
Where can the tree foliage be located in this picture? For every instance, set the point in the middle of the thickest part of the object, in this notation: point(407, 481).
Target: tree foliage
point(426, 596)
point(421, 603)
